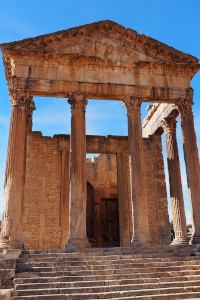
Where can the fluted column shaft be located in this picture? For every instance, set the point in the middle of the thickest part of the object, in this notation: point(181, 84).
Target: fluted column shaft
point(141, 235)
point(176, 194)
point(14, 176)
point(77, 219)
point(192, 164)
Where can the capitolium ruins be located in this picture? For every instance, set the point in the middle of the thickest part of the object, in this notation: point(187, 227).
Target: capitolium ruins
point(54, 197)
point(98, 228)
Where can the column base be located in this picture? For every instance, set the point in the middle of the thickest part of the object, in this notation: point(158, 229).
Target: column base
point(142, 243)
point(77, 244)
point(195, 239)
point(180, 241)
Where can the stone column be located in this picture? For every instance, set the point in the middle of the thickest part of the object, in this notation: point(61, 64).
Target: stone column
point(29, 116)
point(176, 194)
point(141, 234)
point(192, 163)
point(124, 197)
point(77, 219)
point(14, 177)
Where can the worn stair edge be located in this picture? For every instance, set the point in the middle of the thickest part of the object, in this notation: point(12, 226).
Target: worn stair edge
point(108, 295)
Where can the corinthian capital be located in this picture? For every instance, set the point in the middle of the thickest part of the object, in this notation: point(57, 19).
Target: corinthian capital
point(185, 107)
point(133, 104)
point(20, 98)
point(78, 101)
point(169, 125)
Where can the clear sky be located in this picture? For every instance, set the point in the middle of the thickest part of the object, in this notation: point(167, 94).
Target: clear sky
point(174, 22)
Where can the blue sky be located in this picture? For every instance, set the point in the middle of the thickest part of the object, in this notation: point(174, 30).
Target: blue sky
point(174, 22)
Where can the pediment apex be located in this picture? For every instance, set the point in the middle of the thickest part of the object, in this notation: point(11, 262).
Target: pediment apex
point(110, 39)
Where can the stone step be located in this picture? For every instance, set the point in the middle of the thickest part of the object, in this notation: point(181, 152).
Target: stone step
point(90, 257)
point(122, 250)
point(83, 270)
point(85, 259)
point(70, 277)
point(130, 251)
point(108, 274)
point(89, 280)
point(135, 284)
point(173, 296)
point(121, 259)
point(104, 288)
point(183, 296)
point(100, 265)
point(141, 254)
point(107, 295)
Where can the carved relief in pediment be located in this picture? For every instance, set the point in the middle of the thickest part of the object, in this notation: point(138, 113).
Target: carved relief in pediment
point(105, 49)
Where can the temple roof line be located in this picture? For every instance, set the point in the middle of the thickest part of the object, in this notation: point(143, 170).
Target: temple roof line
point(134, 40)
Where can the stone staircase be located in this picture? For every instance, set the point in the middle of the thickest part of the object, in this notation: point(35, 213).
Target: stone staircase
point(7, 273)
point(121, 273)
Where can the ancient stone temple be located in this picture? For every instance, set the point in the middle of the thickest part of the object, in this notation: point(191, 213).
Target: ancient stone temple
point(54, 196)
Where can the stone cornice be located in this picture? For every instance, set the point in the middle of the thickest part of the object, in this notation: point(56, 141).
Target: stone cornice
point(25, 55)
point(110, 29)
point(77, 61)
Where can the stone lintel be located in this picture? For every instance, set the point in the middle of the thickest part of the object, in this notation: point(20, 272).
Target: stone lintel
point(98, 144)
point(106, 91)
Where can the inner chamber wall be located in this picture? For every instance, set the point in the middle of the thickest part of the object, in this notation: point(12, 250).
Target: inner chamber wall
point(46, 193)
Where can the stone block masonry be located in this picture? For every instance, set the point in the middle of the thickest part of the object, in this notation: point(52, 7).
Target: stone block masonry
point(43, 212)
point(41, 216)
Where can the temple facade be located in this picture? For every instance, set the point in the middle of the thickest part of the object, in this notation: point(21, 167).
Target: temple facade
point(55, 197)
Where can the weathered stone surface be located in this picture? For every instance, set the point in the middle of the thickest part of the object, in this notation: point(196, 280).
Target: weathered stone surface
point(5, 294)
point(192, 164)
point(158, 118)
point(176, 194)
point(46, 177)
point(141, 234)
point(11, 232)
point(112, 61)
point(46, 198)
point(162, 273)
point(77, 210)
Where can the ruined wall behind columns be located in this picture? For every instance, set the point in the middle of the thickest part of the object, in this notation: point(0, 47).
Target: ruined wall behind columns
point(42, 219)
point(41, 213)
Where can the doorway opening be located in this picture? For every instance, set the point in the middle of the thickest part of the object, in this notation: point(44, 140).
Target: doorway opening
point(109, 218)
point(102, 212)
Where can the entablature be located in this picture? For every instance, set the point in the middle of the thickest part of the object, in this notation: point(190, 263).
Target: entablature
point(154, 121)
point(103, 60)
point(104, 91)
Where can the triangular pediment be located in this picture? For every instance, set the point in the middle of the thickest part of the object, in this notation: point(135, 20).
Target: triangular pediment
point(105, 40)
